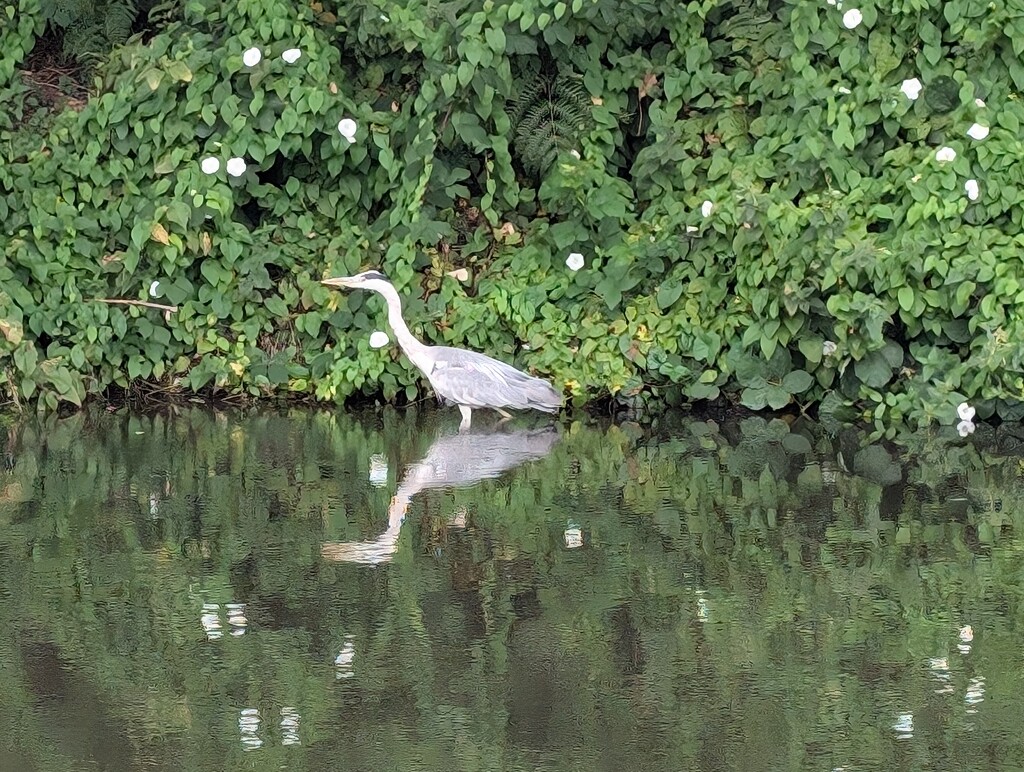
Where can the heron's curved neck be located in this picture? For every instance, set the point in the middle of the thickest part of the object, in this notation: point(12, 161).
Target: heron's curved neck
point(412, 347)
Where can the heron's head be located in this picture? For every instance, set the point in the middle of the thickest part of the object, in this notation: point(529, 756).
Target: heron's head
point(371, 280)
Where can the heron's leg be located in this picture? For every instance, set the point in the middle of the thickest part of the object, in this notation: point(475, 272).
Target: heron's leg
point(467, 416)
point(504, 414)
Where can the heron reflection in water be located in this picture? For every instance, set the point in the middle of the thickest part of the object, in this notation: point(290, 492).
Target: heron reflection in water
point(452, 461)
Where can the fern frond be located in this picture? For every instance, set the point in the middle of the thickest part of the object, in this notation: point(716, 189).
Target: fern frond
point(119, 20)
point(548, 116)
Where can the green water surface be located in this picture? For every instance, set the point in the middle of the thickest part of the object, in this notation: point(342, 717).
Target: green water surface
point(204, 590)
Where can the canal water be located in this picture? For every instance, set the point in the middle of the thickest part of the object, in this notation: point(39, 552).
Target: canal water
point(310, 591)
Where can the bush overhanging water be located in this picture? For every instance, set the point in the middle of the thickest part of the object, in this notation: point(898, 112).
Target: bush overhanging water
point(771, 203)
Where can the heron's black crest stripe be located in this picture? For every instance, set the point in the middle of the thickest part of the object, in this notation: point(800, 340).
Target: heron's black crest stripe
point(374, 275)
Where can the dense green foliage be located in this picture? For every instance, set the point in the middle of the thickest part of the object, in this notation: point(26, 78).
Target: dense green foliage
point(763, 213)
point(755, 596)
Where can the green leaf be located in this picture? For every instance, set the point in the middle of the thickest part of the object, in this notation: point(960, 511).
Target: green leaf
point(778, 397)
point(796, 443)
point(276, 306)
point(797, 382)
point(755, 397)
point(495, 39)
point(811, 348)
point(669, 293)
point(873, 370)
point(906, 298)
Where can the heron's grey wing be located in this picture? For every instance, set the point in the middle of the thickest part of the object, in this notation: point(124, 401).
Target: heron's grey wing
point(477, 380)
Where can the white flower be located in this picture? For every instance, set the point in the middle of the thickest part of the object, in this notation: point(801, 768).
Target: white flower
point(347, 127)
point(291, 55)
point(852, 18)
point(574, 261)
point(828, 348)
point(210, 165)
point(252, 57)
point(706, 208)
point(843, 90)
point(912, 88)
point(379, 339)
point(971, 188)
point(964, 428)
point(236, 167)
point(692, 229)
point(966, 633)
point(575, 153)
point(944, 154)
point(977, 131)
point(154, 288)
point(384, 18)
point(573, 538)
point(979, 102)
point(965, 412)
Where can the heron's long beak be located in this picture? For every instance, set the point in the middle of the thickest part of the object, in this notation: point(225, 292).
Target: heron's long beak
point(340, 281)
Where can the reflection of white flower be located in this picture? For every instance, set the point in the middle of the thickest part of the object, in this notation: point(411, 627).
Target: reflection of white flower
point(828, 348)
point(904, 724)
point(977, 131)
point(236, 167)
point(252, 57)
point(852, 18)
point(210, 165)
point(966, 633)
point(972, 190)
point(911, 87)
point(706, 208)
point(975, 692)
point(379, 339)
point(154, 288)
point(945, 154)
point(965, 412)
point(248, 726)
point(289, 726)
point(210, 620)
point(343, 662)
point(965, 427)
point(291, 55)
point(573, 538)
point(236, 618)
point(347, 127)
point(574, 261)
point(378, 470)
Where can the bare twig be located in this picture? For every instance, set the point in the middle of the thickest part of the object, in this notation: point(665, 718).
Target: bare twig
point(118, 301)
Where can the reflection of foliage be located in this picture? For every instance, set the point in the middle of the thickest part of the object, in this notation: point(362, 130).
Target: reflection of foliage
point(723, 567)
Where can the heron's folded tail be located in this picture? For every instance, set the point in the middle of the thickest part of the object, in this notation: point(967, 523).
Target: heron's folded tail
point(542, 396)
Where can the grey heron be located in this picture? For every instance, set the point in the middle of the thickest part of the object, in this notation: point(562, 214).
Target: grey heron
point(464, 378)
